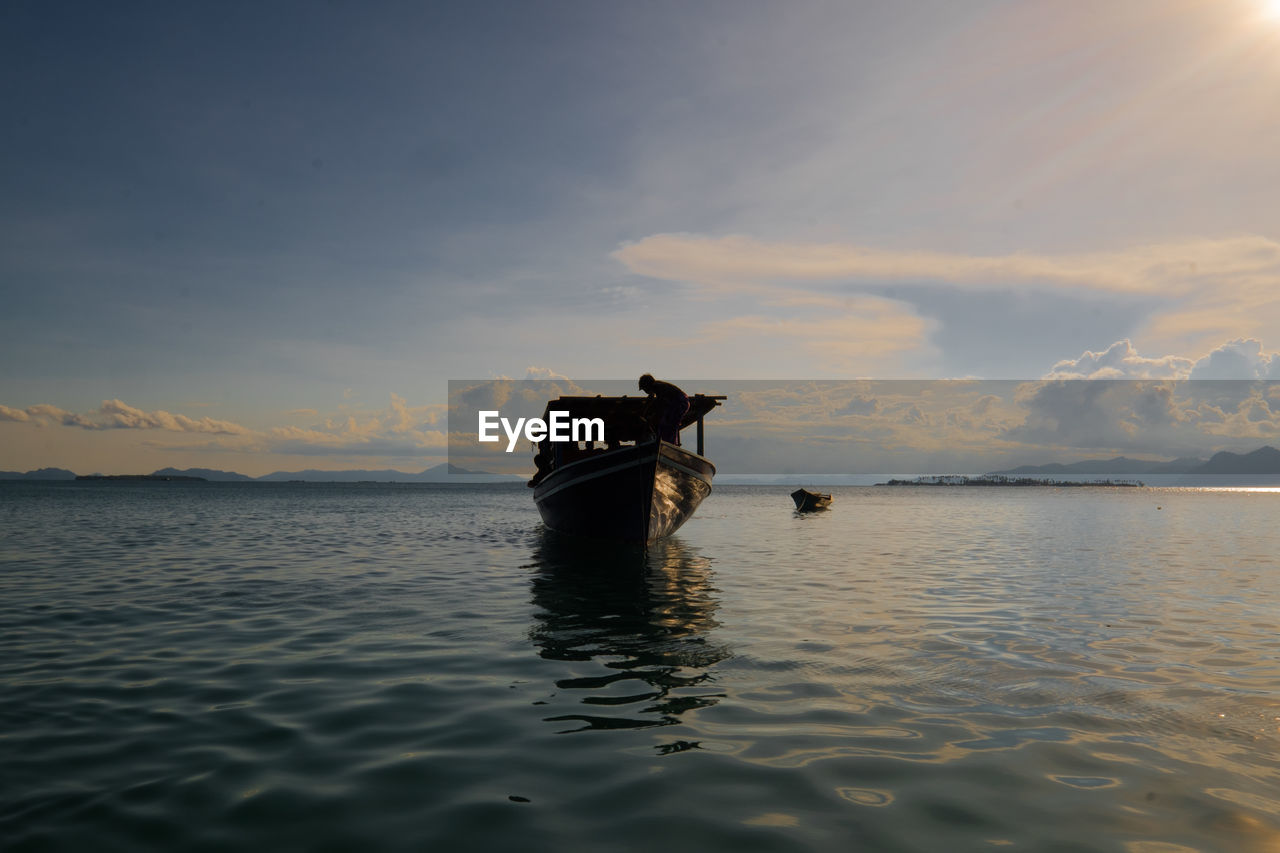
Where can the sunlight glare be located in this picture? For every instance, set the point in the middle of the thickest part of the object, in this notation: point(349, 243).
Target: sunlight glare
point(1271, 9)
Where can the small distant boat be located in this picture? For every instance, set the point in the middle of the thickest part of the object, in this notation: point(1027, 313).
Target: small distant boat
point(807, 501)
point(638, 488)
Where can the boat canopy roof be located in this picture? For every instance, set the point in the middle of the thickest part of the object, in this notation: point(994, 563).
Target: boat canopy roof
point(624, 417)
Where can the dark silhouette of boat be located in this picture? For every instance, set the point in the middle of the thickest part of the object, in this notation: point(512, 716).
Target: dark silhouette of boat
point(637, 487)
point(807, 501)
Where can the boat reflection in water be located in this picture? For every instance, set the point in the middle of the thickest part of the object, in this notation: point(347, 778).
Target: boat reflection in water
point(645, 615)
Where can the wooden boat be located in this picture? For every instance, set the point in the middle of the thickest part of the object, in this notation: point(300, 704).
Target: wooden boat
point(637, 488)
point(807, 501)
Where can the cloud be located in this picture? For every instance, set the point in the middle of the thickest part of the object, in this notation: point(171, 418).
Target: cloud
point(854, 336)
point(1088, 414)
point(859, 405)
point(116, 414)
point(914, 416)
point(43, 414)
point(1239, 359)
point(401, 419)
point(867, 425)
point(1201, 290)
point(543, 373)
point(1167, 417)
point(1121, 361)
point(397, 430)
point(353, 440)
point(984, 404)
point(1250, 413)
point(737, 260)
point(1242, 358)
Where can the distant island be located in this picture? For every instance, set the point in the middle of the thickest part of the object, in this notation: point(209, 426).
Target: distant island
point(997, 480)
point(1264, 460)
point(157, 477)
point(442, 473)
point(40, 474)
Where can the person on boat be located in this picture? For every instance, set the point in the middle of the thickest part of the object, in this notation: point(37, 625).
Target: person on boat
point(542, 461)
point(667, 406)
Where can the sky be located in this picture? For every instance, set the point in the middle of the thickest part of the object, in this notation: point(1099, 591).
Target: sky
point(261, 237)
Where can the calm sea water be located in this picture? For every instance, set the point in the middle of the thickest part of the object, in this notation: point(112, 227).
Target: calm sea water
point(340, 667)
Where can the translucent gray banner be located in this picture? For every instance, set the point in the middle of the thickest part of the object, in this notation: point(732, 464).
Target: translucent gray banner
point(1160, 432)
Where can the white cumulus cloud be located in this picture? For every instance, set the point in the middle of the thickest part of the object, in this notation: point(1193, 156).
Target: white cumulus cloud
point(116, 414)
point(1243, 358)
point(1239, 359)
point(1121, 361)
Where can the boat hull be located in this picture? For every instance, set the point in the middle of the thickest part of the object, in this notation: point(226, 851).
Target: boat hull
point(807, 501)
point(633, 494)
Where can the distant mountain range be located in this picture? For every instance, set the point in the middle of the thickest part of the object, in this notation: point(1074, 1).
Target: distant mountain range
point(1264, 460)
point(41, 474)
point(442, 473)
